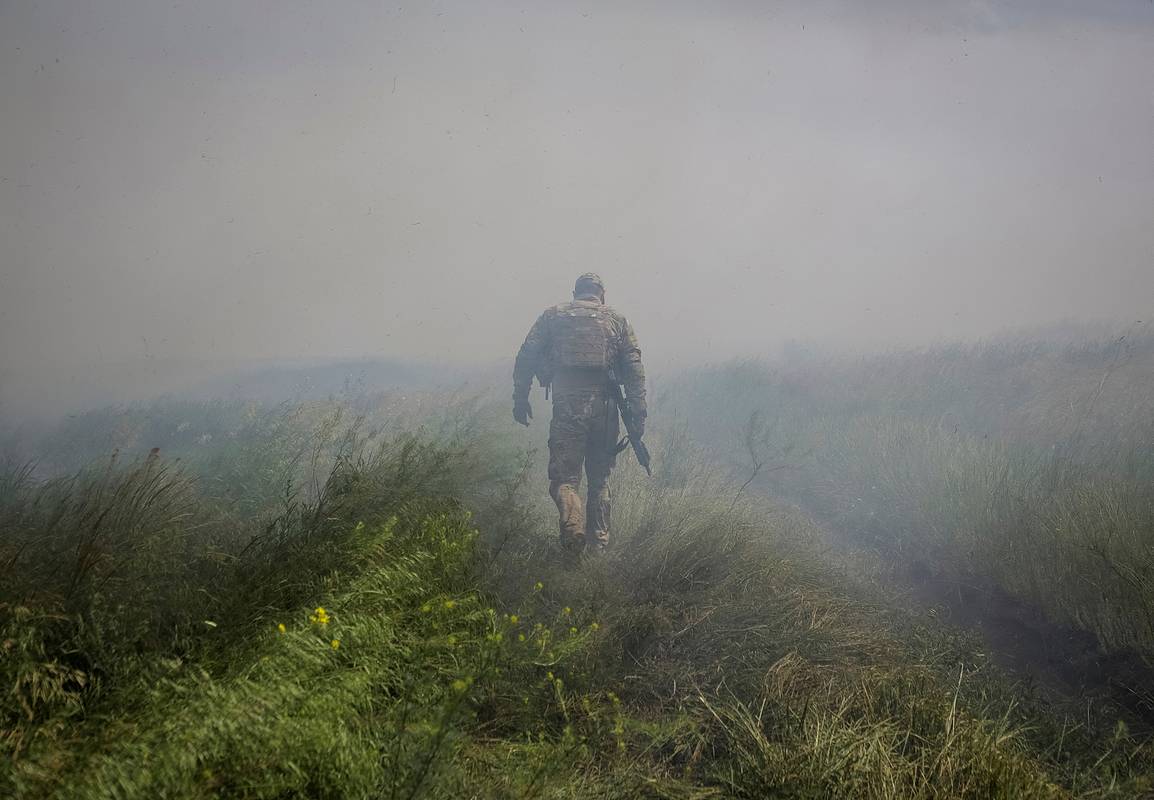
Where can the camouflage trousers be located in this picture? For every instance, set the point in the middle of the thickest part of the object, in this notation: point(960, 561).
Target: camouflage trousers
point(584, 430)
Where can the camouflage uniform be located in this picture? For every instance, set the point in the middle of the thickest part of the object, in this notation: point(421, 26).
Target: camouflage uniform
point(580, 349)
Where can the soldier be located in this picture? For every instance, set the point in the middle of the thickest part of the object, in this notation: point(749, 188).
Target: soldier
point(582, 350)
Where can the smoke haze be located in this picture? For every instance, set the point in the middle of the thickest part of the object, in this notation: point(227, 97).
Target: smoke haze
point(210, 182)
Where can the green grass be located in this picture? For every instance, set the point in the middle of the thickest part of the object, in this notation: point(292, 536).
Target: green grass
point(716, 653)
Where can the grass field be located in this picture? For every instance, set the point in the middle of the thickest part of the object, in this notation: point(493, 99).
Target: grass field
point(1017, 473)
point(365, 601)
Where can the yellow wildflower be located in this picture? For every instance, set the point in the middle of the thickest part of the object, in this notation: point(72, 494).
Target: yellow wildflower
point(567, 611)
point(539, 586)
point(335, 644)
point(513, 618)
point(520, 637)
point(281, 628)
point(459, 685)
point(450, 603)
point(594, 627)
point(572, 631)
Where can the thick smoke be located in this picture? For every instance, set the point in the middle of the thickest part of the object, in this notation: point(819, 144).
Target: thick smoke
point(186, 187)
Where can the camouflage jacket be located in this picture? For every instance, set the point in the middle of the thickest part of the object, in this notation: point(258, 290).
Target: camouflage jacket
point(536, 354)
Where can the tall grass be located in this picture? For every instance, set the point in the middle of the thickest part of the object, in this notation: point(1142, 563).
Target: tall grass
point(106, 572)
point(432, 646)
point(1024, 467)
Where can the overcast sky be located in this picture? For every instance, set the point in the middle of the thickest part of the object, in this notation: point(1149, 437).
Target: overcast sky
point(272, 178)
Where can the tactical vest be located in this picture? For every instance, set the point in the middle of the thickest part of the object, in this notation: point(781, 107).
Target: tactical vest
point(582, 337)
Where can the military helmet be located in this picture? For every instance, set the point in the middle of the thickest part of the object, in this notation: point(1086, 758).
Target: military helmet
point(590, 280)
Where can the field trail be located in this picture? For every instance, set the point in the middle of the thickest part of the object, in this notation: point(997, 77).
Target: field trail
point(1063, 662)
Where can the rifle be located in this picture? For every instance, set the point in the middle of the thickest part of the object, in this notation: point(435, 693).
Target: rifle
point(631, 438)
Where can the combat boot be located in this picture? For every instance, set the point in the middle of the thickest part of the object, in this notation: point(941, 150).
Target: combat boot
point(596, 549)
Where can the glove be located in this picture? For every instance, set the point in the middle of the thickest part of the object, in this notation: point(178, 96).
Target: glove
point(522, 411)
point(638, 420)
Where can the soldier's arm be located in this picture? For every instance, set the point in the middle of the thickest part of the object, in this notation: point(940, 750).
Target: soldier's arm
point(630, 371)
point(529, 358)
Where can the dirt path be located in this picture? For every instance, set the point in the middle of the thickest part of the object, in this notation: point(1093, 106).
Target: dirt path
point(1061, 661)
